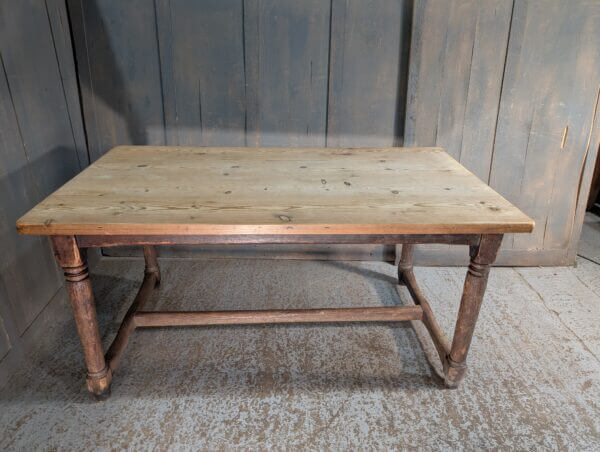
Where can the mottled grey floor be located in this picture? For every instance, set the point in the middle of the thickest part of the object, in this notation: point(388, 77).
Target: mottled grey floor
point(533, 381)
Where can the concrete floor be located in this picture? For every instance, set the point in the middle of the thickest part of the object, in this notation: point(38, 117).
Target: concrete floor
point(533, 381)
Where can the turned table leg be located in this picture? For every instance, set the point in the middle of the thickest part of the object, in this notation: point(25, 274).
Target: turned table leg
point(405, 264)
point(482, 256)
point(151, 262)
point(79, 289)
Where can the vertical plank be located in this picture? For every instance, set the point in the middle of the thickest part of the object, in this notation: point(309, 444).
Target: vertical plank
point(5, 344)
point(61, 36)
point(292, 73)
point(251, 37)
point(368, 71)
point(456, 70)
point(205, 66)
point(545, 115)
point(588, 167)
point(8, 325)
point(516, 116)
point(4, 341)
point(37, 154)
point(579, 88)
point(428, 47)
point(121, 86)
point(38, 98)
point(485, 84)
point(164, 36)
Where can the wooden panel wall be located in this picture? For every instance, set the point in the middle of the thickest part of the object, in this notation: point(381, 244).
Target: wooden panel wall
point(510, 90)
point(42, 145)
point(251, 72)
point(244, 73)
point(367, 96)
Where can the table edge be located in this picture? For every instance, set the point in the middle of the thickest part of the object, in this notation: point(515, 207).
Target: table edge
point(272, 229)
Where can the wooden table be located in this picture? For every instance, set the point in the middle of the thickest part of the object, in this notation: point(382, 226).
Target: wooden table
point(147, 196)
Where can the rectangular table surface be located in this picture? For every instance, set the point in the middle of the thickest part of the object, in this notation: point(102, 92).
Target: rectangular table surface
point(156, 190)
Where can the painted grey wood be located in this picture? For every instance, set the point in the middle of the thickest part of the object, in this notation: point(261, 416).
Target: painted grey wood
point(545, 114)
point(61, 38)
point(48, 327)
point(588, 166)
point(489, 82)
point(38, 153)
point(456, 71)
point(42, 144)
point(5, 344)
point(8, 326)
point(427, 50)
point(292, 72)
point(487, 57)
point(368, 72)
point(31, 67)
point(456, 67)
point(121, 86)
point(202, 62)
point(251, 71)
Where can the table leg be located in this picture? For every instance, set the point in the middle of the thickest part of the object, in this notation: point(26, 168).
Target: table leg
point(482, 256)
point(151, 262)
point(79, 289)
point(405, 264)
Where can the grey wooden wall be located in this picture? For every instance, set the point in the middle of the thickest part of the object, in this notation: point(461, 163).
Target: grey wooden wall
point(42, 145)
point(510, 89)
point(242, 72)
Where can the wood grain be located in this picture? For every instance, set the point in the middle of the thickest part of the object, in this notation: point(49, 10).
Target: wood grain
point(119, 72)
point(368, 66)
point(329, 315)
point(90, 241)
point(219, 191)
point(202, 65)
point(291, 71)
point(38, 152)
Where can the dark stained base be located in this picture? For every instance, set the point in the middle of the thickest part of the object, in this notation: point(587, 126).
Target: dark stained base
point(483, 250)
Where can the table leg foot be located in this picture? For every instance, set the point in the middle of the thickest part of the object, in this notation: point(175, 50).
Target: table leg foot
point(99, 384)
point(453, 373)
point(103, 395)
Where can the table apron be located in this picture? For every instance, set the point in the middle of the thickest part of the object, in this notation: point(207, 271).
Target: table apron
point(93, 241)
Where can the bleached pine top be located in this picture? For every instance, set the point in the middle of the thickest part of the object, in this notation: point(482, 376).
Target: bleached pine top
point(158, 190)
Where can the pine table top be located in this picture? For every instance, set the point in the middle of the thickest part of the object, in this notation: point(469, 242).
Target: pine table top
point(160, 190)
